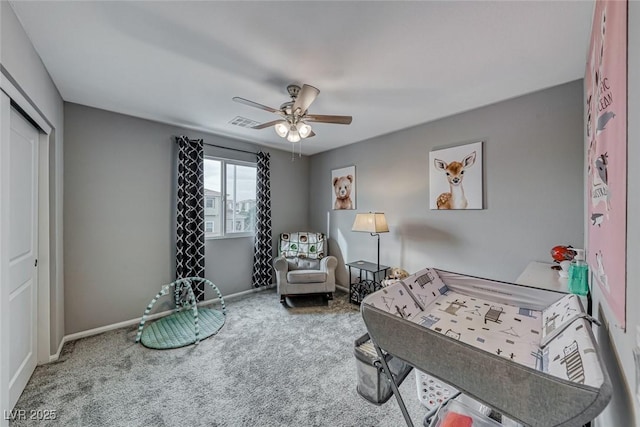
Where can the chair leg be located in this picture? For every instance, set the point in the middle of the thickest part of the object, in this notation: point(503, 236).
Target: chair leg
point(330, 296)
point(283, 300)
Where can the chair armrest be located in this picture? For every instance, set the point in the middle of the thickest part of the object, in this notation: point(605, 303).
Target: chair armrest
point(280, 264)
point(328, 263)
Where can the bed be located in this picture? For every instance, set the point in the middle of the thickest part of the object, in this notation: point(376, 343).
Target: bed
point(528, 353)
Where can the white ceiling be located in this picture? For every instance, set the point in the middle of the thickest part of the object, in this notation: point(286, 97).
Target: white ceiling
point(390, 65)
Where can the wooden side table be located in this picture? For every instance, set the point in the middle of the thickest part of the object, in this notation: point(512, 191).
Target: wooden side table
point(373, 275)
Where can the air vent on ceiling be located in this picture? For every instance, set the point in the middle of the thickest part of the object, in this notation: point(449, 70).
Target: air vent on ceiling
point(243, 122)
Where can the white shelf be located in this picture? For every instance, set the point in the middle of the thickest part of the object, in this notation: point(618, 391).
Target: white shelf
point(540, 275)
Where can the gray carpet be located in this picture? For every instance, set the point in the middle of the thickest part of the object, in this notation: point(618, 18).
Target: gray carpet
point(268, 366)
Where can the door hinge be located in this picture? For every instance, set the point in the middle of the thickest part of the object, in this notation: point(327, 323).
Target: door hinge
point(36, 263)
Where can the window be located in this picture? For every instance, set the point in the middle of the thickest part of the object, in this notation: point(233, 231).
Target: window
point(208, 226)
point(233, 183)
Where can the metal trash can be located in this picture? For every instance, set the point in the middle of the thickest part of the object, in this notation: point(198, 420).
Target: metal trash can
point(373, 383)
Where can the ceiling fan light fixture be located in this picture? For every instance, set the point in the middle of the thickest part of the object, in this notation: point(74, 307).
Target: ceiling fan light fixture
point(304, 130)
point(293, 135)
point(281, 129)
point(294, 114)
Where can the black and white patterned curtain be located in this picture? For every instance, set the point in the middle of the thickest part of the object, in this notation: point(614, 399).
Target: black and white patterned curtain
point(262, 254)
point(190, 212)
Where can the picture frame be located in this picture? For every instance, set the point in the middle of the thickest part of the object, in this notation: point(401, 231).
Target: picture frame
point(343, 188)
point(456, 177)
point(606, 143)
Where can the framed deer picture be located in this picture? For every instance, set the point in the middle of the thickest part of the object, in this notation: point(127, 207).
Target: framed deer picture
point(455, 177)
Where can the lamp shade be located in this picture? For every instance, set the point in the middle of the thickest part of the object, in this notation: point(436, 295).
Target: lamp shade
point(282, 129)
point(372, 222)
point(293, 135)
point(304, 130)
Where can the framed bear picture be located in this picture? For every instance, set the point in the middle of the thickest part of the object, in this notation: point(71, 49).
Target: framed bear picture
point(343, 188)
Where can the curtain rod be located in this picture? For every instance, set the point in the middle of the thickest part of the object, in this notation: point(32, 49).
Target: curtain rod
point(229, 148)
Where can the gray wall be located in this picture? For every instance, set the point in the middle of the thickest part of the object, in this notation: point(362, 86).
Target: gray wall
point(533, 163)
point(620, 361)
point(119, 198)
point(21, 63)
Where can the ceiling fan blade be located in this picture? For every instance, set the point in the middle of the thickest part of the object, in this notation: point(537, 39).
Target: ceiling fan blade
point(323, 118)
point(268, 124)
point(306, 96)
point(255, 104)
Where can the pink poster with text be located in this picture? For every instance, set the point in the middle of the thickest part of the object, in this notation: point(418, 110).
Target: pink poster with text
point(606, 138)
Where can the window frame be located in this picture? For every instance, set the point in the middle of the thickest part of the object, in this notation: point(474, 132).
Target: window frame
point(223, 197)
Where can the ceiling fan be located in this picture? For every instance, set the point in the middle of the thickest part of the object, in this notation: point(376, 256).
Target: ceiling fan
point(293, 123)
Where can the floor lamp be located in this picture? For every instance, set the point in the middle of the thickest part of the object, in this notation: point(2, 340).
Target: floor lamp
point(374, 223)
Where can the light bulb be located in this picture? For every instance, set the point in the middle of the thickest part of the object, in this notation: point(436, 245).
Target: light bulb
point(293, 136)
point(281, 129)
point(304, 130)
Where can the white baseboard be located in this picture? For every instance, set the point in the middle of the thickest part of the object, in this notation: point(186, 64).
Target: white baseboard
point(54, 357)
point(126, 323)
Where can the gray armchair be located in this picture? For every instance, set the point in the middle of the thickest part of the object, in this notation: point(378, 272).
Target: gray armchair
point(303, 267)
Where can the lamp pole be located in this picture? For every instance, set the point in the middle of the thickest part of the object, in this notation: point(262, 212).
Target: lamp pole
point(378, 236)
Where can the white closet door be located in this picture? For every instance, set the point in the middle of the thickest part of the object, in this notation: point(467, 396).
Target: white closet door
point(19, 222)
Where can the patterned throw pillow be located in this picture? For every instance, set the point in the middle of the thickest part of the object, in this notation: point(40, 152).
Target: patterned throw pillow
point(302, 245)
